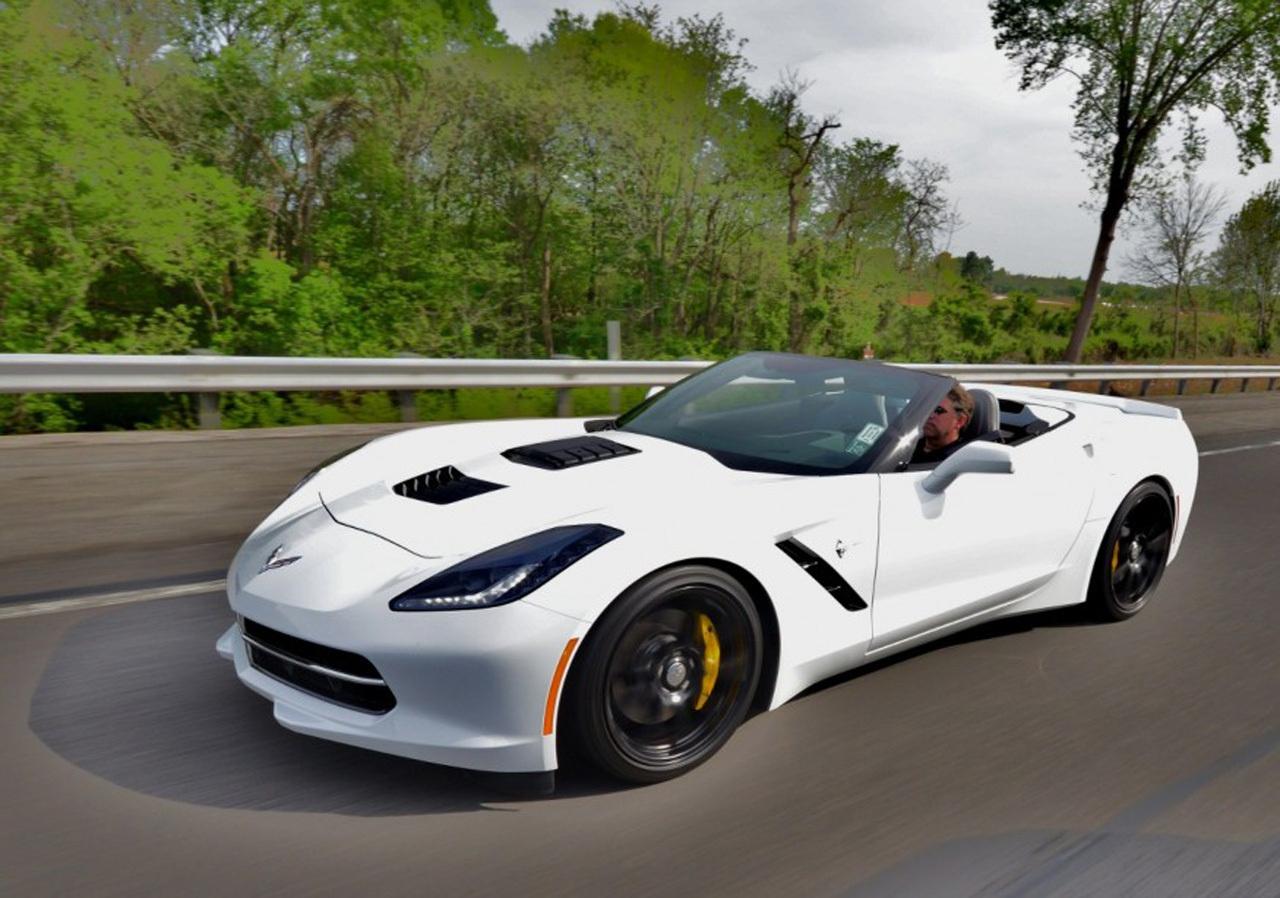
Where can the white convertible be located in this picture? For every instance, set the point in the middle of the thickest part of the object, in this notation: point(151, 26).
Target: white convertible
point(477, 594)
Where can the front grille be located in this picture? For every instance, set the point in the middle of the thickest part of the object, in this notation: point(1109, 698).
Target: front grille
point(556, 455)
point(344, 678)
point(443, 486)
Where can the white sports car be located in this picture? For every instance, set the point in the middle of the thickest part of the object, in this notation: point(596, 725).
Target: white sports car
point(477, 594)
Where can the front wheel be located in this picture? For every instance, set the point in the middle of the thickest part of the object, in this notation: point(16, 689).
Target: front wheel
point(1133, 553)
point(667, 674)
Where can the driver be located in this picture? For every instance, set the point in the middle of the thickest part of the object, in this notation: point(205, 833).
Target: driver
point(943, 426)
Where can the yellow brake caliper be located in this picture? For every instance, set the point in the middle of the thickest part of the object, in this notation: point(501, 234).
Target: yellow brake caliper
point(1115, 557)
point(710, 659)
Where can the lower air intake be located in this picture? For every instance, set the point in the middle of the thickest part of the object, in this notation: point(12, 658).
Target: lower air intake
point(341, 677)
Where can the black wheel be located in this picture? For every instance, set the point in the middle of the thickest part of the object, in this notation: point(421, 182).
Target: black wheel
point(666, 675)
point(1133, 553)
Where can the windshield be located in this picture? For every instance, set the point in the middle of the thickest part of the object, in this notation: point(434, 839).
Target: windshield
point(785, 413)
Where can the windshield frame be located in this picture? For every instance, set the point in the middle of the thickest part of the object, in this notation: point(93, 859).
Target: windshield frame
point(926, 390)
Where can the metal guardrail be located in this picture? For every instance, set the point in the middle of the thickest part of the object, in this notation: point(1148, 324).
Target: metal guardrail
point(209, 375)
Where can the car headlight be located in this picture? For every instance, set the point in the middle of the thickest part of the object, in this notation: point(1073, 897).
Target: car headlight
point(506, 573)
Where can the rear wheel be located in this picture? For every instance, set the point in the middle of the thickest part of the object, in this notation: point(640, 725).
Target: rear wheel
point(1133, 553)
point(667, 674)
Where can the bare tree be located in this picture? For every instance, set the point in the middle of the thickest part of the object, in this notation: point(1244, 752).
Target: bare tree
point(800, 140)
point(927, 214)
point(1178, 220)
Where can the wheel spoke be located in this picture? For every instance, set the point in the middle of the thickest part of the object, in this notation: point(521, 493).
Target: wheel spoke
point(1119, 578)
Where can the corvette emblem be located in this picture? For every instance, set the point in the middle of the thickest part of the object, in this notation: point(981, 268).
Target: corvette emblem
point(275, 561)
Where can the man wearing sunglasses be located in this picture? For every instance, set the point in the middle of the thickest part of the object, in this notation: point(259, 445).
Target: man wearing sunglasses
point(943, 426)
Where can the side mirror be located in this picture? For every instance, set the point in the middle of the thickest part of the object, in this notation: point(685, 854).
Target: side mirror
point(975, 458)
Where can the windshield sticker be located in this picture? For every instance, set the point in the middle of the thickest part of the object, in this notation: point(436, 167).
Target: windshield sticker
point(869, 434)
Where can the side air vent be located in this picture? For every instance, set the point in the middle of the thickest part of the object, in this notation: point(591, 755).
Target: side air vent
point(443, 486)
point(824, 573)
point(558, 454)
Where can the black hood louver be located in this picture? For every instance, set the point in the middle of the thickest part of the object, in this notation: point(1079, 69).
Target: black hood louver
point(559, 454)
point(827, 576)
point(443, 486)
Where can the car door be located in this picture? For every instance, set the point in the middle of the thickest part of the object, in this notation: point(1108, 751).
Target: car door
point(987, 540)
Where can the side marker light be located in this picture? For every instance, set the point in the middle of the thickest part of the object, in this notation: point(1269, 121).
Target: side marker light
point(549, 715)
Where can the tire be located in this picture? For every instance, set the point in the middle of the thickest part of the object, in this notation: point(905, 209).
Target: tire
point(667, 674)
point(1133, 554)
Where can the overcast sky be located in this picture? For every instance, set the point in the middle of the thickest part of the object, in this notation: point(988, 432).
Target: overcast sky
point(925, 74)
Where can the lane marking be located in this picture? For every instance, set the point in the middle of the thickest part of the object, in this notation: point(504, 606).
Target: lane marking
point(1240, 448)
point(30, 609)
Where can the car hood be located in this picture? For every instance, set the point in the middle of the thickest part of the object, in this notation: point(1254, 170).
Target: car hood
point(358, 490)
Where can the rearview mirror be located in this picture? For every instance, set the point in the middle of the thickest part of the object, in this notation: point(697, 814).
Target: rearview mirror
point(975, 458)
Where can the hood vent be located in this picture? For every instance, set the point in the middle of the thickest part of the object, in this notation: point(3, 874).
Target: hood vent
point(443, 486)
point(559, 454)
point(824, 573)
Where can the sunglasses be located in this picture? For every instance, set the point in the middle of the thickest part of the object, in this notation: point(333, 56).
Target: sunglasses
point(943, 410)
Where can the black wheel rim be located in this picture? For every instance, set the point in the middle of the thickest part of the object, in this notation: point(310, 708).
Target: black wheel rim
point(1140, 549)
point(658, 709)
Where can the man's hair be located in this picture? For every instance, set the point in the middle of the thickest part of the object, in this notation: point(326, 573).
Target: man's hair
point(960, 399)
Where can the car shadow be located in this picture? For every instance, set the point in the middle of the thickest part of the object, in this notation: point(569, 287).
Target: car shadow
point(137, 695)
point(1074, 616)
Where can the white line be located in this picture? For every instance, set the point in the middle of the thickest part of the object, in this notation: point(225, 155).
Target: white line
point(1240, 448)
point(30, 609)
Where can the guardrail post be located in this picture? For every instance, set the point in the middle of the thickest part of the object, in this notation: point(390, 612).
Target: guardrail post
point(1182, 386)
point(613, 340)
point(1214, 387)
point(564, 395)
point(1244, 385)
point(407, 399)
point(1271, 384)
point(1146, 385)
point(1103, 386)
point(208, 405)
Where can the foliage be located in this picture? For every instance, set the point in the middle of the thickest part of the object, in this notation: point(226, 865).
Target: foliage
point(1248, 259)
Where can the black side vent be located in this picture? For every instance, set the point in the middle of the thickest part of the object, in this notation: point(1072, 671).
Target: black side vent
point(558, 454)
point(824, 573)
point(443, 486)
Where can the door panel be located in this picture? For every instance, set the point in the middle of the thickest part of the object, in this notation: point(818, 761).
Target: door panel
point(986, 540)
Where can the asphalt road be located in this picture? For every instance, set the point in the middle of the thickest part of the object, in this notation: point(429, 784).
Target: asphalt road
point(1038, 757)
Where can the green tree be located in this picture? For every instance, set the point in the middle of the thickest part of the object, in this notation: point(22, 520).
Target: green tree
point(88, 196)
point(1248, 258)
point(979, 269)
point(1138, 63)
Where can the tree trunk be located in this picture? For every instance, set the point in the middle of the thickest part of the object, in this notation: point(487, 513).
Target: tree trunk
point(546, 301)
point(1106, 236)
point(1176, 297)
point(1195, 324)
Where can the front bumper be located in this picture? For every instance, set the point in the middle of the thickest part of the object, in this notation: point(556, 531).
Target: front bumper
point(471, 686)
